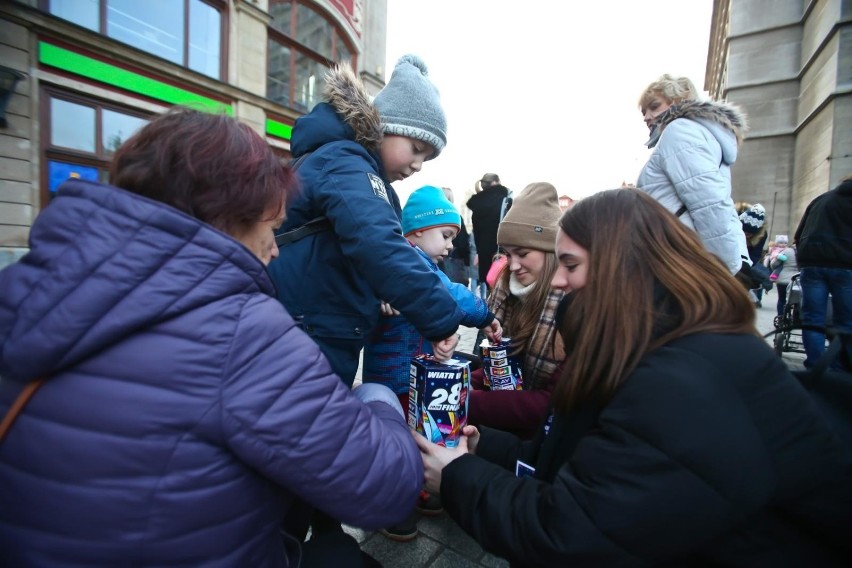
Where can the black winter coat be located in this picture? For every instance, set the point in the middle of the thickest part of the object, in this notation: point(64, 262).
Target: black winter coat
point(824, 235)
point(710, 454)
point(485, 216)
point(461, 246)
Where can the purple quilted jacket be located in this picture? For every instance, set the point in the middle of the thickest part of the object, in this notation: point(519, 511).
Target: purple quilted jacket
point(184, 412)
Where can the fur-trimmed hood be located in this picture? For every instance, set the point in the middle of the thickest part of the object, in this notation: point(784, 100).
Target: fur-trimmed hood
point(708, 113)
point(345, 92)
point(346, 113)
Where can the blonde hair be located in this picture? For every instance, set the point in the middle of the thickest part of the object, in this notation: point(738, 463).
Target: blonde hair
point(673, 89)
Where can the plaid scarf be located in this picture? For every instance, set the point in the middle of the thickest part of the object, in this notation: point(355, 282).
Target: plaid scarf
point(543, 351)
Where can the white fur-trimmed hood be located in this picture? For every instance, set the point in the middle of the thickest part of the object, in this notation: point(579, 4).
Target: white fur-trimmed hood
point(724, 114)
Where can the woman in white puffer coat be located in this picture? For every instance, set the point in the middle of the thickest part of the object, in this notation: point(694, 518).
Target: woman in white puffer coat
point(695, 143)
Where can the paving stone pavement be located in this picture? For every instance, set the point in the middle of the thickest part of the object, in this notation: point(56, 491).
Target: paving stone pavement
point(442, 543)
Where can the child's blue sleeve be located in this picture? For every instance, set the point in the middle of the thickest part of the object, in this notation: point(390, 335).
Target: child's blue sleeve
point(476, 313)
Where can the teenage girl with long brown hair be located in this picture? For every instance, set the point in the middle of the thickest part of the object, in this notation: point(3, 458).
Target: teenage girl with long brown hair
point(677, 437)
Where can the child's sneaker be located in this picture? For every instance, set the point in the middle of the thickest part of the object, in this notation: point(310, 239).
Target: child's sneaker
point(404, 531)
point(429, 504)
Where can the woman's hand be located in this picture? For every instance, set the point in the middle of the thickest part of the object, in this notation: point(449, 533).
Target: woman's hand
point(436, 458)
point(472, 435)
point(444, 349)
point(493, 331)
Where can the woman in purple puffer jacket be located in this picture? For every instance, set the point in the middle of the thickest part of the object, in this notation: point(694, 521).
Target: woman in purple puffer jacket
point(184, 417)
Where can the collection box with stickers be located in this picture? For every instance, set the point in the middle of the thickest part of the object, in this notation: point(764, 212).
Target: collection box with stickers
point(437, 401)
point(500, 371)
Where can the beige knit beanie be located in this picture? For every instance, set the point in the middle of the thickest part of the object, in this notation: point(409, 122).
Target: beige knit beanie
point(532, 220)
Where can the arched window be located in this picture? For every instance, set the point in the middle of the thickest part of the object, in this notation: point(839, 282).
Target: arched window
point(303, 43)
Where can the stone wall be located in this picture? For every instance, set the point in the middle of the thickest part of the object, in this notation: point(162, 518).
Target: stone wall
point(17, 190)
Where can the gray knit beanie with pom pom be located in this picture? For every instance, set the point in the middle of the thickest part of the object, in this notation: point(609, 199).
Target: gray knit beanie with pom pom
point(410, 105)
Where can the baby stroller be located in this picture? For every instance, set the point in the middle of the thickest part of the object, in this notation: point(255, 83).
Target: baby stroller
point(788, 326)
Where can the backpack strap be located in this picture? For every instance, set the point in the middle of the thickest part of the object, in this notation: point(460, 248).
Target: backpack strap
point(294, 164)
point(17, 406)
point(315, 225)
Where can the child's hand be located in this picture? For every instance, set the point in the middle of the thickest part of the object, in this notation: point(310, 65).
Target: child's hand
point(387, 310)
point(493, 331)
point(443, 350)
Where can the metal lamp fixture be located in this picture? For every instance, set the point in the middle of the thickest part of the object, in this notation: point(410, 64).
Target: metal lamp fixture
point(8, 79)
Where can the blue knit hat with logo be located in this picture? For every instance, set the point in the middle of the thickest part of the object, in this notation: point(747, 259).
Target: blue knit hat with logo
point(426, 208)
point(410, 105)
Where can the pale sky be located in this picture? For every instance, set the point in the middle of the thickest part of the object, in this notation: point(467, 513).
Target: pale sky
point(545, 90)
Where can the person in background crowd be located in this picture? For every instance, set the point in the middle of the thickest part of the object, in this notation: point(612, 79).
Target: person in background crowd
point(695, 144)
point(526, 306)
point(473, 269)
point(781, 259)
point(182, 411)
point(754, 228)
point(486, 208)
point(457, 264)
point(351, 151)
point(678, 438)
point(824, 254)
point(773, 249)
point(429, 222)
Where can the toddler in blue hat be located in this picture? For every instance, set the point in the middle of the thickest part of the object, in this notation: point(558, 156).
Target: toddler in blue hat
point(430, 222)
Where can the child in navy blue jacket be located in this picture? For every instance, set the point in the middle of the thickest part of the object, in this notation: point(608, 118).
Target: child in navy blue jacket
point(350, 150)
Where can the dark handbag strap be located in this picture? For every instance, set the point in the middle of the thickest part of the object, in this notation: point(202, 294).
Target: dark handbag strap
point(680, 211)
point(17, 406)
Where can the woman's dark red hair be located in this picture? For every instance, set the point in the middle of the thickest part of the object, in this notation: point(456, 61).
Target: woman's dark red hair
point(210, 166)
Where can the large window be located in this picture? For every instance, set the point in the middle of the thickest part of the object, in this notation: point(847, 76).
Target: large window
point(81, 136)
point(303, 44)
point(186, 32)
